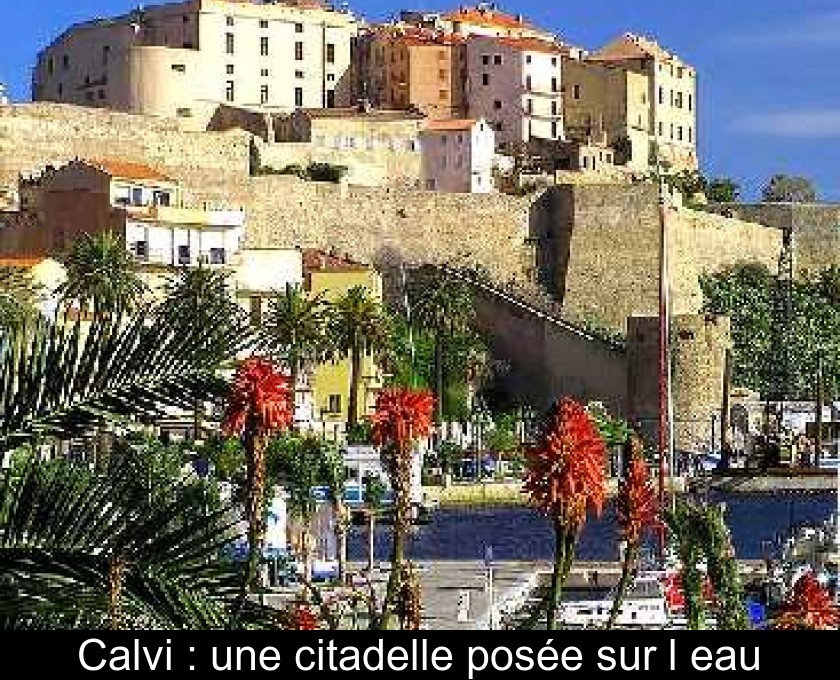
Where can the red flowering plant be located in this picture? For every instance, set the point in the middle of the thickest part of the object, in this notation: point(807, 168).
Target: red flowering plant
point(259, 404)
point(809, 607)
point(402, 417)
point(303, 618)
point(564, 476)
point(638, 510)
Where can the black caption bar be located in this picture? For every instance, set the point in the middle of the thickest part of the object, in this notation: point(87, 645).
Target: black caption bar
point(466, 655)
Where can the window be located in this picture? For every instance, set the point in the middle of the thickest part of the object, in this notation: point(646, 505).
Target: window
point(554, 61)
point(255, 304)
point(89, 96)
point(298, 74)
point(161, 198)
point(690, 102)
point(263, 94)
point(528, 83)
point(229, 43)
point(690, 134)
point(263, 23)
point(555, 86)
point(101, 94)
point(529, 106)
point(497, 59)
point(554, 107)
point(229, 21)
point(264, 46)
point(497, 104)
point(106, 54)
point(298, 51)
point(141, 250)
point(443, 95)
point(576, 91)
point(672, 130)
point(485, 59)
point(50, 65)
point(136, 196)
point(65, 62)
point(60, 89)
point(661, 129)
point(441, 74)
point(331, 77)
point(330, 53)
point(217, 255)
point(443, 140)
point(298, 96)
point(229, 69)
point(330, 99)
point(554, 129)
point(499, 126)
point(679, 100)
point(183, 112)
point(431, 184)
point(485, 78)
point(334, 403)
point(661, 95)
point(183, 254)
point(672, 97)
point(180, 68)
point(230, 92)
point(527, 58)
point(680, 133)
point(264, 72)
point(298, 28)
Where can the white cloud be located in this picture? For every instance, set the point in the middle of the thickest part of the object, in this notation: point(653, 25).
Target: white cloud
point(800, 124)
point(817, 31)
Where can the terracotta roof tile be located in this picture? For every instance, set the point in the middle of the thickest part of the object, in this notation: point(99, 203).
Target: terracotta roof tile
point(631, 46)
point(451, 124)
point(319, 260)
point(128, 170)
point(486, 17)
point(22, 261)
point(533, 45)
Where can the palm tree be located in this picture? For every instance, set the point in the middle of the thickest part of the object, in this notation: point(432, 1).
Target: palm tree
point(565, 477)
point(358, 326)
point(373, 494)
point(443, 305)
point(18, 296)
point(80, 550)
point(60, 381)
point(637, 512)
point(294, 330)
point(100, 273)
point(258, 405)
point(334, 477)
point(202, 295)
point(403, 416)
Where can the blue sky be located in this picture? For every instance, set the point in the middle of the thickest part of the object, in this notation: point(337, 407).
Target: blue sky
point(769, 93)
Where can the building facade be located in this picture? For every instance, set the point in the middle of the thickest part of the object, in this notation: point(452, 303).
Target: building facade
point(458, 156)
point(515, 84)
point(642, 97)
point(184, 59)
point(405, 67)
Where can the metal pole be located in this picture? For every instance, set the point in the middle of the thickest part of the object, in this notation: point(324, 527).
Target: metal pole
point(818, 439)
point(490, 595)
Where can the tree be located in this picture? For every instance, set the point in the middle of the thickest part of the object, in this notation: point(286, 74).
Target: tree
point(373, 494)
point(81, 550)
point(358, 326)
point(789, 189)
point(62, 380)
point(564, 478)
point(294, 330)
point(402, 417)
point(334, 477)
point(101, 275)
point(443, 305)
point(722, 190)
point(258, 405)
point(18, 296)
point(809, 607)
point(637, 512)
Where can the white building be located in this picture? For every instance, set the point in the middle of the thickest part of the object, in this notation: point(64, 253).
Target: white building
point(458, 156)
point(515, 84)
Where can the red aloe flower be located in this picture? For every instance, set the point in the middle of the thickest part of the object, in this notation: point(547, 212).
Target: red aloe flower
point(303, 618)
point(565, 476)
point(259, 404)
point(402, 416)
point(565, 471)
point(809, 608)
point(637, 504)
point(259, 397)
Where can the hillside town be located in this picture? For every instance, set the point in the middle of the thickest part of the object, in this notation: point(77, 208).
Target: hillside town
point(337, 303)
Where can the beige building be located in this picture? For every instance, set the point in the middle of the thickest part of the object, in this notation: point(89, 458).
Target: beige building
point(641, 96)
point(377, 147)
point(515, 84)
point(403, 67)
point(183, 59)
point(458, 156)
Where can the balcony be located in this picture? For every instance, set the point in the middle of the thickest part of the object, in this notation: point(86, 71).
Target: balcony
point(193, 217)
